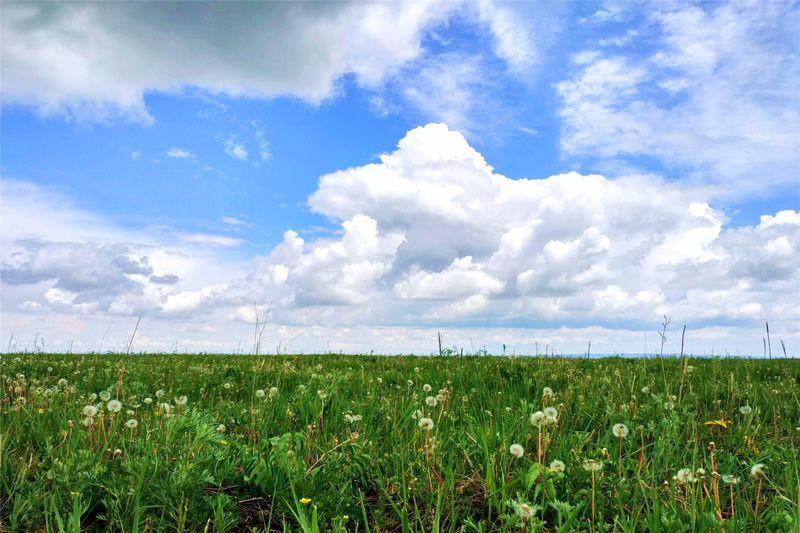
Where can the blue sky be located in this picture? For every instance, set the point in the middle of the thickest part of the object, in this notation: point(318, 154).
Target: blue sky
point(147, 142)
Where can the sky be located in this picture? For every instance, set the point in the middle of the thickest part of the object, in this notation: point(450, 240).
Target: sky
point(361, 176)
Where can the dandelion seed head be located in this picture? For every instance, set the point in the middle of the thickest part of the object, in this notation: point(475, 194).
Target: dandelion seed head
point(426, 423)
point(516, 450)
point(538, 418)
point(132, 423)
point(745, 410)
point(684, 476)
point(90, 411)
point(757, 471)
point(592, 465)
point(557, 466)
point(620, 430)
point(114, 406)
point(260, 393)
point(426, 388)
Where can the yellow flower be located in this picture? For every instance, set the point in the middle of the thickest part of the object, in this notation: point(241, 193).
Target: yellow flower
point(718, 423)
point(345, 517)
point(305, 501)
point(40, 410)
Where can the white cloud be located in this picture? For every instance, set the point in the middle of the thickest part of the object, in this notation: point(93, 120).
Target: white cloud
point(717, 100)
point(97, 61)
point(235, 222)
point(430, 237)
point(235, 148)
point(211, 240)
point(180, 153)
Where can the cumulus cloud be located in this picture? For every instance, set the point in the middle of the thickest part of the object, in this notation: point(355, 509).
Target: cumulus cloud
point(464, 242)
point(431, 236)
point(716, 99)
point(58, 257)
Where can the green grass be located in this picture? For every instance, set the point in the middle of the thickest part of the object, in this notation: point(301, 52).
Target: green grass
point(231, 460)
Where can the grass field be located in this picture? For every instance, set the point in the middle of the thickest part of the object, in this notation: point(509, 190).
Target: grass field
point(330, 442)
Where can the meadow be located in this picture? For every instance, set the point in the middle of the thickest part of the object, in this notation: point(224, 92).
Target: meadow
point(366, 443)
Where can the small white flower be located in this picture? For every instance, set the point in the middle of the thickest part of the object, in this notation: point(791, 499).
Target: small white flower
point(551, 413)
point(524, 511)
point(181, 400)
point(132, 423)
point(757, 471)
point(416, 414)
point(620, 430)
point(557, 466)
point(160, 393)
point(410, 383)
point(427, 388)
point(260, 393)
point(431, 401)
point(730, 479)
point(90, 411)
point(352, 418)
point(62, 382)
point(221, 428)
point(164, 407)
point(273, 391)
point(547, 392)
point(745, 410)
point(105, 396)
point(645, 390)
point(426, 424)
point(114, 406)
point(148, 400)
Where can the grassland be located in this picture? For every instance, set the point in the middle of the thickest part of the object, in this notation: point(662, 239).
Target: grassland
point(398, 443)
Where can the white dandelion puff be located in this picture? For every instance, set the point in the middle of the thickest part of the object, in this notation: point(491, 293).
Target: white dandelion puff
point(557, 466)
point(516, 450)
point(114, 406)
point(757, 471)
point(620, 430)
point(426, 423)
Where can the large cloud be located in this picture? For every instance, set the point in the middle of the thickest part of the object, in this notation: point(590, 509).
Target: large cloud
point(468, 244)
point(96, 61)
point(714, 93)
point(432, 237)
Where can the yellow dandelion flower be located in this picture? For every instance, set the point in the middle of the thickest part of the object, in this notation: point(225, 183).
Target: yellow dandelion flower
point(305, 501)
